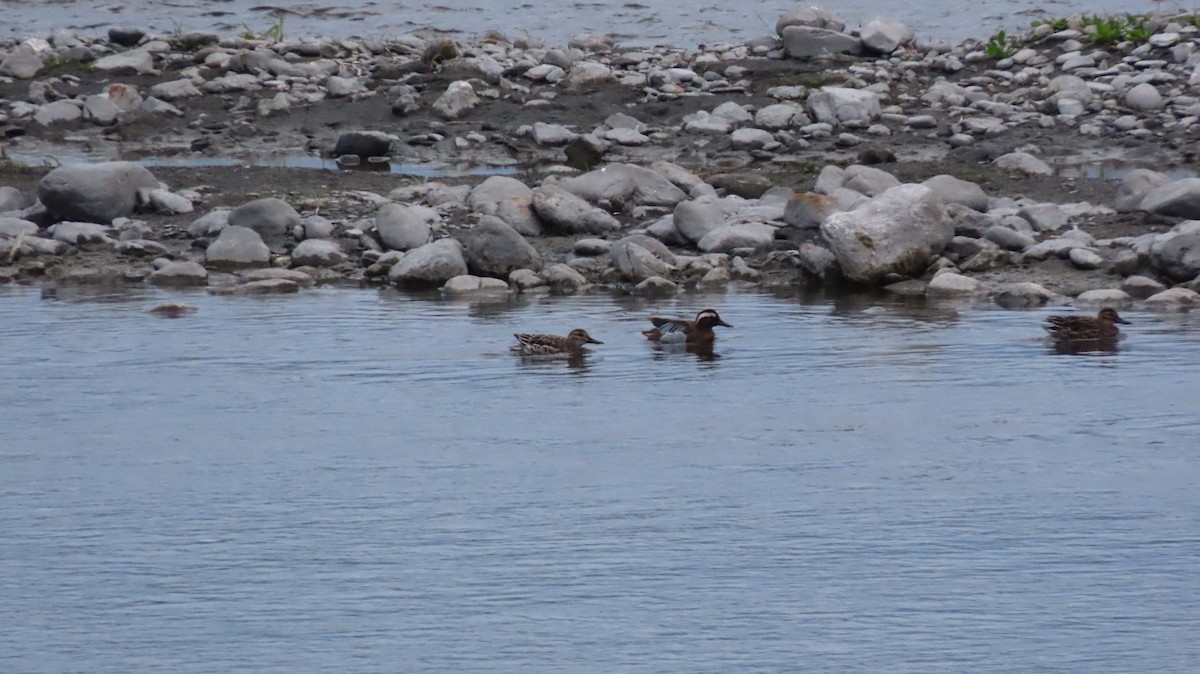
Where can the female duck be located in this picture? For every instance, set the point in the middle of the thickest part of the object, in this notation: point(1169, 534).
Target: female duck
point(553, 345)
point(682, 331)
point(1085, 328)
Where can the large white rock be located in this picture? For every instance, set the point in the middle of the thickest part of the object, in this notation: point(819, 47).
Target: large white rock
point(79, 233)
point(868, 180)
point(899, 231)
point(571, 214)
point(94, 192)
point(835, 105)
point(430, 265)
point(804, 42)
point(180, 273)
point(1135, 186)
point(485, 198)
point(134, 61)
point(949, 284)
point(1180, 198)
point(808, 15)
point(23, 62)
point(1023, 161)
point(1144, 97)
point(58, 112)
point(952, 190)
point(458, 99)
point(404, 226)
point(696, 218)
point(626, 183)
point(634, 259)
point(1177, 256)
point(273, 218)
point(318, 253)
point(586, 74)
point(238, 246)
point(727, 238)
point(884, 35)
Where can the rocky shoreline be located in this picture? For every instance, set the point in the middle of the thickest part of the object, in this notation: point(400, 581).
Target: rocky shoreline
point(812, 157)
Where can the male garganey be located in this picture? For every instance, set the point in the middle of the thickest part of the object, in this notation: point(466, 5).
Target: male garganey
point(682, 331)
point(553, 345)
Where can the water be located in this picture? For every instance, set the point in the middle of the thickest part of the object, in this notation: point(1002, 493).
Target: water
point(357, 480)
point(682, 23)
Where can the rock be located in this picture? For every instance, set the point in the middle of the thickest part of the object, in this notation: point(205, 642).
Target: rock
point(22, 63)
point(869, 180)
point(180, 273)
point(275, 286)
point(570, 214)
point(79, 233)
point(552, 134)
point(1141, 287)
point(1135, 186)
point(430, 265)
point(897, 232)
point(485, 198)
point(469, 285)
point(1049, 248)
point(951, 190)
point(1009, 239)
point(294, 275)
point(125, 36)
point(752, 139)
point(837, 105)
point(272, 218)
point(563, 279)
point(210, 223)
point(457, 101)
point(949, 284)
point(168, 203)
point(1127, 262)
point(588, 74)
point(364, 144)
point(779, 116)
point(677, 175)
point(1174, 299)
point(586, 152)
point(403, 226)
point(1085, 259)
point(589, 247)
point(519, 214)
point(727, 238)
point(1144, 97)
point(655, 285)
point(819, 262)
point(135, 61)
point(94, 192)
point(745, 185)
point(624, 183)
point(344, 87)
point(883, 36)
point(803, 42)
point(1023, 161)
point(175, 90)
point(810, 16)
point(317, 227)
point(526, 279)
point(1180, 198)
point(58, 112)
point(1177, 256)
point(1044, 217)
point(11, 199)
point(494, 248)
point(318, 253)
point(1108, 297)
point(597, 43)
point(14, 227)
point(1025, 294)
point(637, 263)
point(696, 218)
point(237, 246)
point(807, 210)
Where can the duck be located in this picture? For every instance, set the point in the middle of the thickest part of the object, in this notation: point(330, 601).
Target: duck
point(1085, 328)
point(683, 331)
point(552, 345)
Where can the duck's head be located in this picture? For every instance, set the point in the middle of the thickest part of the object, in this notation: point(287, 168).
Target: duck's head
point(706, 319)
point(1110, 315)
point(580, 336)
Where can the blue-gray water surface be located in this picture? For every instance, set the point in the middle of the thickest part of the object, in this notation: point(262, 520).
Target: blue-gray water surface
point(359, 480)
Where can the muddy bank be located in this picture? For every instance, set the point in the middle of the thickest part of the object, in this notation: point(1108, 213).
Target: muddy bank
point(767, 140)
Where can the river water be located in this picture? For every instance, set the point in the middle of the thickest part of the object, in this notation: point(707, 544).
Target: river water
point(362, 480)
point(682, 23)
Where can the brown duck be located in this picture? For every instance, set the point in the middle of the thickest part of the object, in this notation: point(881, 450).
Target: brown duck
point(1085, 328)
point(683, 331)
point(552, 345)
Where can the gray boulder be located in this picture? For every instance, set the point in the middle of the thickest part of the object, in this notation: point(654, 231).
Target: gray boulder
point(519, 214)
point(364, 144)
point(1180, 198)
point(836, 105)
point(951, 190)
point(79, 233)
point(457, 101)
point(624, 183)
point(22, 63)
point(807, 210)
point(494, 248)
point(1023, 161)
point(804, 42)
point(318, 253)
point(14, 227)
point(728, 238)
point(897, 232)
point(884, 36)
point(635, 260)
point(273, 219)
point(869, 180)
point(693, 219)
point(1135, 186)
point(430, 265)
point(1177, 256)
point(94, 192)
point(485, 198)
point(11, 199)
point(237, 246)
point(563, 279)
point(209, 224)
point(403, 226)
point(180, 273)
point(137, 61)
point(1023, 294)
point(58, 112)
point(570, 214)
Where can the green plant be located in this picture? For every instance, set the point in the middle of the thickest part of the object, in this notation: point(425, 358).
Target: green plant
point(1001, 46)
point(274, 32)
